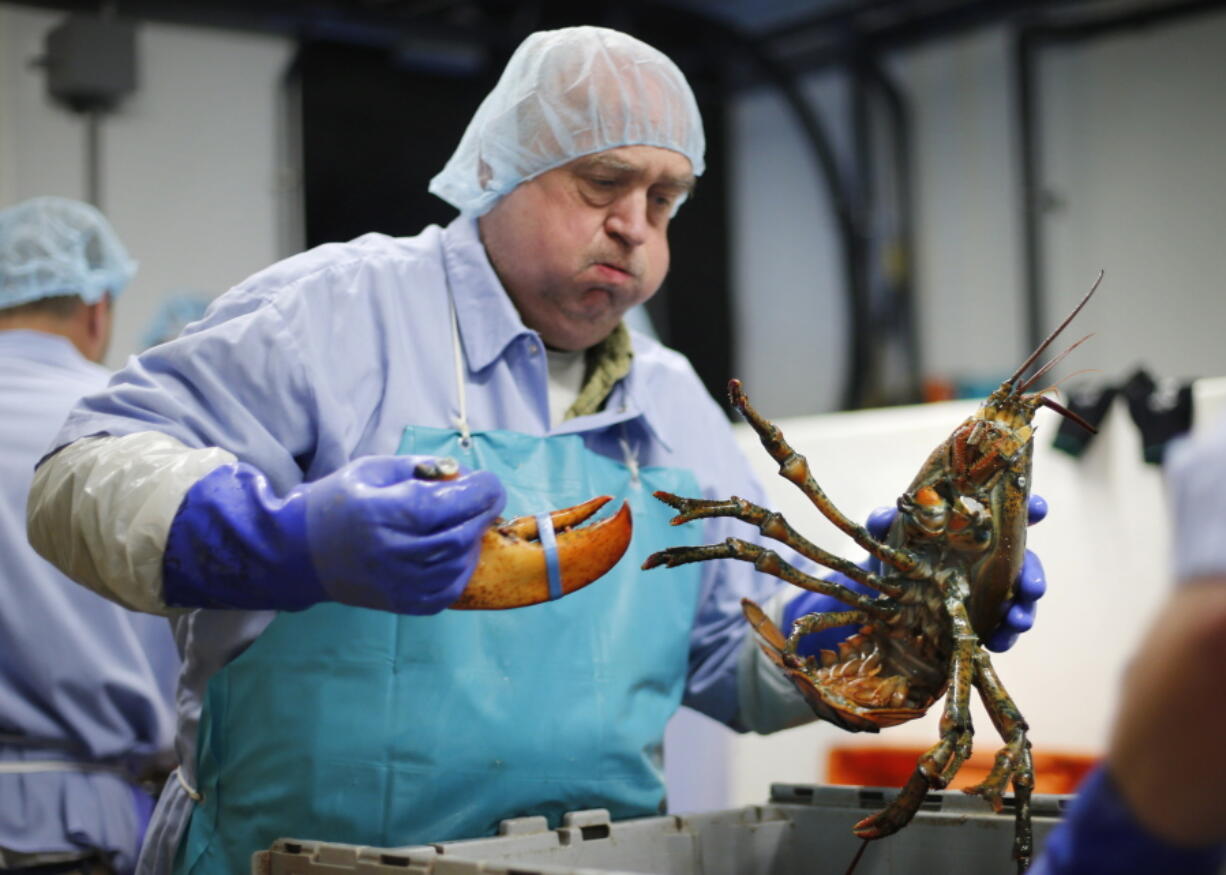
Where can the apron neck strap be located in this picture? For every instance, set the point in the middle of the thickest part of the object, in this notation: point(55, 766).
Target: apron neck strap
point(629, 456)
point(461, 419)
point(457, 355)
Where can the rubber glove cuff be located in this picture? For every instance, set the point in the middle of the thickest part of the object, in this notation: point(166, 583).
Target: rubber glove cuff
point(372, 534)
point(235, 544)
point(1100, 834)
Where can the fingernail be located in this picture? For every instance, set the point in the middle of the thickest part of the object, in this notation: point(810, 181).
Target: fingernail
point(443, 468)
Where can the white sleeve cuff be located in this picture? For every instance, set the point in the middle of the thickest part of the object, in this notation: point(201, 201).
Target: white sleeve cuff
point(1196, 480)
point(101, 508)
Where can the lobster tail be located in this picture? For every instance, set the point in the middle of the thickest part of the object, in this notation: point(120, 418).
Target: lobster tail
point(847, 688)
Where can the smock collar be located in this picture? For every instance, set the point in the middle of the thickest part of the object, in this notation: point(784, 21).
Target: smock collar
point(42, 347)
point(488, 320)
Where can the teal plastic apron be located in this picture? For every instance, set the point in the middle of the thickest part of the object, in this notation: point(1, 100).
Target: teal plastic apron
point(349, 725)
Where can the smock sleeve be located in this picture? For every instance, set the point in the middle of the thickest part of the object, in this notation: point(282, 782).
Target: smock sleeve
point(236, 386)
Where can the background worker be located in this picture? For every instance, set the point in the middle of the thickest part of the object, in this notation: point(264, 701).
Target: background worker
point(1156, 803)
point(178, 309)
point(270, 453)
point(86, 687)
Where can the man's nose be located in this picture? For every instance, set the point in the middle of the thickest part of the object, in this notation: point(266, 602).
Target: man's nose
point(627, 219)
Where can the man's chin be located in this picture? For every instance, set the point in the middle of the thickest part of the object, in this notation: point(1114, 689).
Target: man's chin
point(577, 336)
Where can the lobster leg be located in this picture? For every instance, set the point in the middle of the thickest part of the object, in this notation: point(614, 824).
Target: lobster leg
point(938, 765)
point(782, 651)
point(810, 624)
point(774, 526)
point(795, 467)
point(768, 562)
point(1012, 761)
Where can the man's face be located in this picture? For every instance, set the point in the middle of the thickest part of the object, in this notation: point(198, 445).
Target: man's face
point(579, 245)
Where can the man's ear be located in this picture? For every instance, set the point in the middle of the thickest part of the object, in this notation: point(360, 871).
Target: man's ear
point(98, 327)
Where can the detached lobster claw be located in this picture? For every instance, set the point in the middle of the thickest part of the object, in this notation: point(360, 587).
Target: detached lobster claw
point(512, 570)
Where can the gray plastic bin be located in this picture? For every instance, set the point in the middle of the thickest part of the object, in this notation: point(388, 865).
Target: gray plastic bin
point(802, 830)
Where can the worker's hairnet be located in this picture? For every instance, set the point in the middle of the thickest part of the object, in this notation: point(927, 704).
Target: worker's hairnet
point(52, 246)
point(564, 94)
point(179, 309)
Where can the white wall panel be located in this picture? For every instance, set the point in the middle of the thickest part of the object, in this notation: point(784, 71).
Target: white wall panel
point(1135, 133)
point(789, 308)
point(190, 174)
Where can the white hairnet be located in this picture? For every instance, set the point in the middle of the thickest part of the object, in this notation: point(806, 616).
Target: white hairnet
point(567, 93)
point(53, 246)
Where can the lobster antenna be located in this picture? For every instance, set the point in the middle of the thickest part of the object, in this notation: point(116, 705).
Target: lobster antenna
point(856, 859)
point(1051, 364)
point(1074, 375)
point(1046, 343)
point(1066, 413)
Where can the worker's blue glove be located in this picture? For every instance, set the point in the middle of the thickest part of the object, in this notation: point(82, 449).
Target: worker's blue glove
point(1018, 618)
point(373, 534)
point(1099, 834)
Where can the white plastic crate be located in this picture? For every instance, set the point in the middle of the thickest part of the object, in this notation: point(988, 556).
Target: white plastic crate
point(802, 830)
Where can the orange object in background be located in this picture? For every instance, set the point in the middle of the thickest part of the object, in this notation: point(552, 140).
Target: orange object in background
point(938, 389)
point(893, 766)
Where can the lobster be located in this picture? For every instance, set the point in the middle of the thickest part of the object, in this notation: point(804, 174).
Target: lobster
point(512, 569)
point(950, 561)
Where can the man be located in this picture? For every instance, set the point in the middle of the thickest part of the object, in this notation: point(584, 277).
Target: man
point(272, 453)
point(85, 686)
point(1156, 803)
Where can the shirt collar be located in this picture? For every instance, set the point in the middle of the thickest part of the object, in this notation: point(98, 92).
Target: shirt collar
point(638, 396)
point(41, 346)
point(488, 319)
point(631, 401)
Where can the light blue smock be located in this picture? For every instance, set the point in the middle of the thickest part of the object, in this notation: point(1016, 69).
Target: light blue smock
point(327, 356)
point(84, 683)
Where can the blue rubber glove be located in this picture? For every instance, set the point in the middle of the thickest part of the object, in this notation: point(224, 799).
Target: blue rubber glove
point(1100, 835)
point(1019, 617)
point(373, 534)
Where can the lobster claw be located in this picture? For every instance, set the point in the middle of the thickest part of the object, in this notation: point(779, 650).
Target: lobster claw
point(512, 572)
